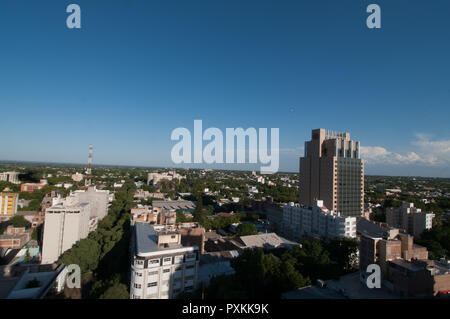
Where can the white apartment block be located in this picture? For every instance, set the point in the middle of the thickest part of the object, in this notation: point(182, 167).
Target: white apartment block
point(316, 221)
point(155, 178)
point(409, 218)
point(65, 224)
point(161, 267)
point(12, 177)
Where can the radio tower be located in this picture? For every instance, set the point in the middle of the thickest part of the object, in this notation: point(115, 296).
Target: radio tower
point(87, 180)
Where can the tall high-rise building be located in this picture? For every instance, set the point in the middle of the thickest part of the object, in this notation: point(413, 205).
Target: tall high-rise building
point(331, 170)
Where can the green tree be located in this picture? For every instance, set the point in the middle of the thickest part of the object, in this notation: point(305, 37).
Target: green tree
point(181, 217)
point(116, 290)
point(343, 251)
point(246, 229)
point(19, 221)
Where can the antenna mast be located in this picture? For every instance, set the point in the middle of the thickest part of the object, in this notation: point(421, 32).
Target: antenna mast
point(88, 179)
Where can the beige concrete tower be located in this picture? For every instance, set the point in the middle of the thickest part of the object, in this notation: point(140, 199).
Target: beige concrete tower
point(332, 171)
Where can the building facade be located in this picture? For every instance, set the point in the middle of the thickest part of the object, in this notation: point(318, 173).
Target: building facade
point(65, 224)
point(31, 187)
point(316, 221)
point(155, 178)
point(419, 278)
point(12, 177)
point(409, 218)
point(385, 244)
point(332, 170)
point(161, 266)
point(8, 204)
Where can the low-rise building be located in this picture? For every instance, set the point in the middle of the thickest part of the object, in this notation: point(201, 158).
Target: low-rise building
point(155, 178)
point(15, 237)
point(141, 194)
point(380, 244)
point(33, 282)
point(173, 204)
point(265, 241)
point(419, 278)
point(31, 187)
point(405, 267)
point(77, 177)
point(143, 214)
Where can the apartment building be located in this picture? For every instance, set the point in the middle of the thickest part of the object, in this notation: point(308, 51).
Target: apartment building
point(8, 204)
point(12, 177)
point(161, 266)
point(65, 224)
point(331, 170)
point(155, 178)
point(316, 221)
point(409, 218)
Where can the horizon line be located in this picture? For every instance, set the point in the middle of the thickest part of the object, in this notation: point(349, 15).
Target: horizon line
point(185, 168)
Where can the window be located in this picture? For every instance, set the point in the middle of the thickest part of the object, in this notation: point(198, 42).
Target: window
point(138, 274)
point(154, 261)
point(137, 286)
point(178, 259)
point(152, 284)
point(190, 266)
point(152, 273)
point(166, 270)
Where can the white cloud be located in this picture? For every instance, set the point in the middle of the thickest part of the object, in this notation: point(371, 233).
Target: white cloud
point(426, 152)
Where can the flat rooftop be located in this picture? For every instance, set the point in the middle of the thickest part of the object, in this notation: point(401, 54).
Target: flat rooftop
point(173, 204)
point(369, 229)
point(406, 264)
point(347, 287)
point(147, 239)
point(68, 206)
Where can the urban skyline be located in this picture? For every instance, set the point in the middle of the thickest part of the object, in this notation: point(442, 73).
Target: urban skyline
point(135, 71)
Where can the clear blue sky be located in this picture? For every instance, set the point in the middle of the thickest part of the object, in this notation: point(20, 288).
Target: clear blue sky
point(139, 69)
